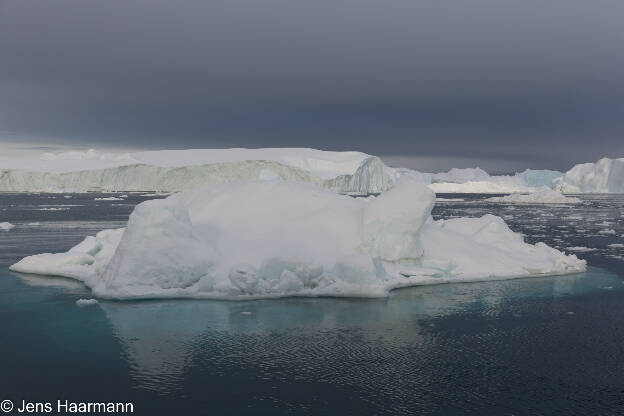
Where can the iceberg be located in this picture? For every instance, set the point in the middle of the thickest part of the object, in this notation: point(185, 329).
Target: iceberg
point(267, 239)
point(177, 170)
point(540, 177)
point(543, 195)
point(476, 180)
point(86, 302)
point(456, 175)
point(603, 176)
point(168, 171)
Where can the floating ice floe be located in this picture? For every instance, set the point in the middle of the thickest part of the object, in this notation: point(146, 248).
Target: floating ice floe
point(542, 196)
point(267, 239)
point(607, 232)
point(449, 199)
point(86, 302)
point(6, 226)
point(581, 249)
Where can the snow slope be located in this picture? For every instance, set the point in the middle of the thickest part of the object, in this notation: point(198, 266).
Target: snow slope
point(603, 176)
point(543, 195)
point(176, 170)
point(276, 238)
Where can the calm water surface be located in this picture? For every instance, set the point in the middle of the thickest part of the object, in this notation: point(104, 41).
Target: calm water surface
point(539, 346)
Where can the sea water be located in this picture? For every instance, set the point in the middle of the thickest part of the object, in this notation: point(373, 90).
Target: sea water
point(548, 345)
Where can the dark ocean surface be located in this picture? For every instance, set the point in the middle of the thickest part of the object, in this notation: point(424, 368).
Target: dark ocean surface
point(536, 346)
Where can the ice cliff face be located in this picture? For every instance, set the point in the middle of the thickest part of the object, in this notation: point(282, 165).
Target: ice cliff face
point(171, 171)
point(604, 176)
point(371, 177)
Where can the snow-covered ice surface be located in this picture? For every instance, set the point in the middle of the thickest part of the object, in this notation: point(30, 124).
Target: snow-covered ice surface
point(543, 195)
point(603, 176)
point(273, 239)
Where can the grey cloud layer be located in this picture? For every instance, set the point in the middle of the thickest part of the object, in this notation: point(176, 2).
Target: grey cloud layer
point(529, 81)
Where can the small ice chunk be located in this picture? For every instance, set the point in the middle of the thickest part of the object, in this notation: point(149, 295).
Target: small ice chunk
point(6, 226)
point(86, 302)
point(543, 195)
point(606, 232)
point(581, 249)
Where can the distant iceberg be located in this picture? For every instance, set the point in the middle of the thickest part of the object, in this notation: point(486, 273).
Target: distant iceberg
point(476, 180)
point(603, 176)
point(352, 173)
point(263, 239)
point(543, 195)
point(177, 170)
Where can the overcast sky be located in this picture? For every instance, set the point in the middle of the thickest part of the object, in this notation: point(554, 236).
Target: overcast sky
point(427, 84)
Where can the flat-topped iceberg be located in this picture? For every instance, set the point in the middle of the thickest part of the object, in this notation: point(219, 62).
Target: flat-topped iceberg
point(543, 195)
point(266, 239)
point(178, 170)
point(604, 176)
point(352, 173)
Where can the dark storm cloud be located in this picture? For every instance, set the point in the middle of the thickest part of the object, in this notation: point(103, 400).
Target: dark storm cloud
point(538, 83)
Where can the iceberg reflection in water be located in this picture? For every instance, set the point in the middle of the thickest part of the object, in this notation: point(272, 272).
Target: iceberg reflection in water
point(164, 340)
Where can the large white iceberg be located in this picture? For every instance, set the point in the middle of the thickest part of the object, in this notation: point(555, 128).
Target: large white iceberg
point(276, 238)
point(543, 195)
point(604, 176)
point(177, 170)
